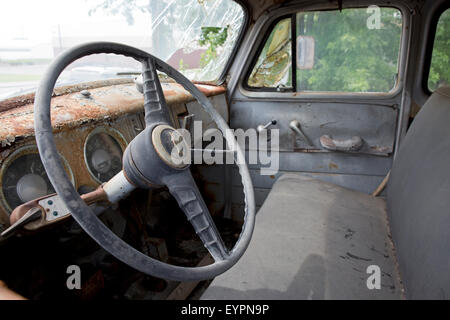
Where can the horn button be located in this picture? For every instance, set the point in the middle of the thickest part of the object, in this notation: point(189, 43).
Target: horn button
point(154, 153)
point(170, 146)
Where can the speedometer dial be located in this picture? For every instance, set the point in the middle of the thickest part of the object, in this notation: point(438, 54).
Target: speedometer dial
point(103, 154)
point(24, 178)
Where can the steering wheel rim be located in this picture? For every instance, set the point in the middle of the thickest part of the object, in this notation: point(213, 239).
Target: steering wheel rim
point(84, 215)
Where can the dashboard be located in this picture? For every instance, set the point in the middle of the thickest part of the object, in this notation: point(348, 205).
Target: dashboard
point(91, 133)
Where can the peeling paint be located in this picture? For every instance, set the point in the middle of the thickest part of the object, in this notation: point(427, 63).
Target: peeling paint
point(70, 108)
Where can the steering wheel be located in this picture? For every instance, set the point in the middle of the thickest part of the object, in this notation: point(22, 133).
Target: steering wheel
point(146, 164)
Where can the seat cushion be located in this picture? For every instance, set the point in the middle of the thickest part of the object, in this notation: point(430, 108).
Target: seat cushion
point(313, 240)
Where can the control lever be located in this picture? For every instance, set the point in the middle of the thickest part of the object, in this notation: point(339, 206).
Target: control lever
point(49, 209)
point(262, 127)
point(31, 215)
point(295, 126)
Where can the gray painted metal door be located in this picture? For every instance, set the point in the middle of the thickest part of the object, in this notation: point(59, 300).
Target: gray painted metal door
point(347, 138)
point(362, 170)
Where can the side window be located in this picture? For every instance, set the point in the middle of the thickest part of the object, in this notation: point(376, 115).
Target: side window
point(273, 69)
point(353, 50)
point(440, 59)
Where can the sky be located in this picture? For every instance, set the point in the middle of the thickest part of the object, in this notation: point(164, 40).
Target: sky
point(31, 23)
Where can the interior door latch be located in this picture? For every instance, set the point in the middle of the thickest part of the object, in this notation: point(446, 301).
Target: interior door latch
point(296, 127)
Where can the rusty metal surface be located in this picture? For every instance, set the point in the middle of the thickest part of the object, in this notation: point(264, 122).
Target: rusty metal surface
point(70, 145)
point(25, 99)
point(73, 109)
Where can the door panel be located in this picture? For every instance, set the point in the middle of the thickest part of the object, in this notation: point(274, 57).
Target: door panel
point(374, 124)
point(361, 170)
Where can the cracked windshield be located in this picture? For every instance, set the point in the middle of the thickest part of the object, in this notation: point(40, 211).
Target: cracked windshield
point(194, 36)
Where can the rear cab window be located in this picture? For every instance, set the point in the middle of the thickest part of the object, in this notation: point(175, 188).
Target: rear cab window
point(353, 50)
point(440, 60)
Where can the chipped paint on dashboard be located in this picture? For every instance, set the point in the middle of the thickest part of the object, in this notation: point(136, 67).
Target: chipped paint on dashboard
point(70, 108)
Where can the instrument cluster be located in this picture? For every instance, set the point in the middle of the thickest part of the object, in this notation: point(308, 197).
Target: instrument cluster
point(23, 177)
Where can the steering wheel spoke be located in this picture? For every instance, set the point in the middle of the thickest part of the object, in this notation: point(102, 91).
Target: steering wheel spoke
point(154, 101)
point(183, 187)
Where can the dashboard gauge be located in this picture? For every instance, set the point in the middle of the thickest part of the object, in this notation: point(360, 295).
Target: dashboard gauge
point(103, 153)
point(23, 178)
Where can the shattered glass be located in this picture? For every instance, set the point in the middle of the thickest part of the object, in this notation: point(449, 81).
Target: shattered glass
point(195, 37)
point(272, 69)
point(185, 23)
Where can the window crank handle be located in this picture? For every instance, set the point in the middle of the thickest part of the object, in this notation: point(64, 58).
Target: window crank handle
point(262, 127)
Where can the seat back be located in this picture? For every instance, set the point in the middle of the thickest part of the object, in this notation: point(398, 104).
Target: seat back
point(418, 201)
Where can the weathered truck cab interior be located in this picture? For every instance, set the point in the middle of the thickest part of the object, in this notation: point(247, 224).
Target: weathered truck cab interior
point(222, 149)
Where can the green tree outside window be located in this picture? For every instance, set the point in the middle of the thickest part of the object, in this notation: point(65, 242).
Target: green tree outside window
point(440, 60)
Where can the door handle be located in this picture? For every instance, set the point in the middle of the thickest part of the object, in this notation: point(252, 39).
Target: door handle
point(295, 126)
point(353, 144)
